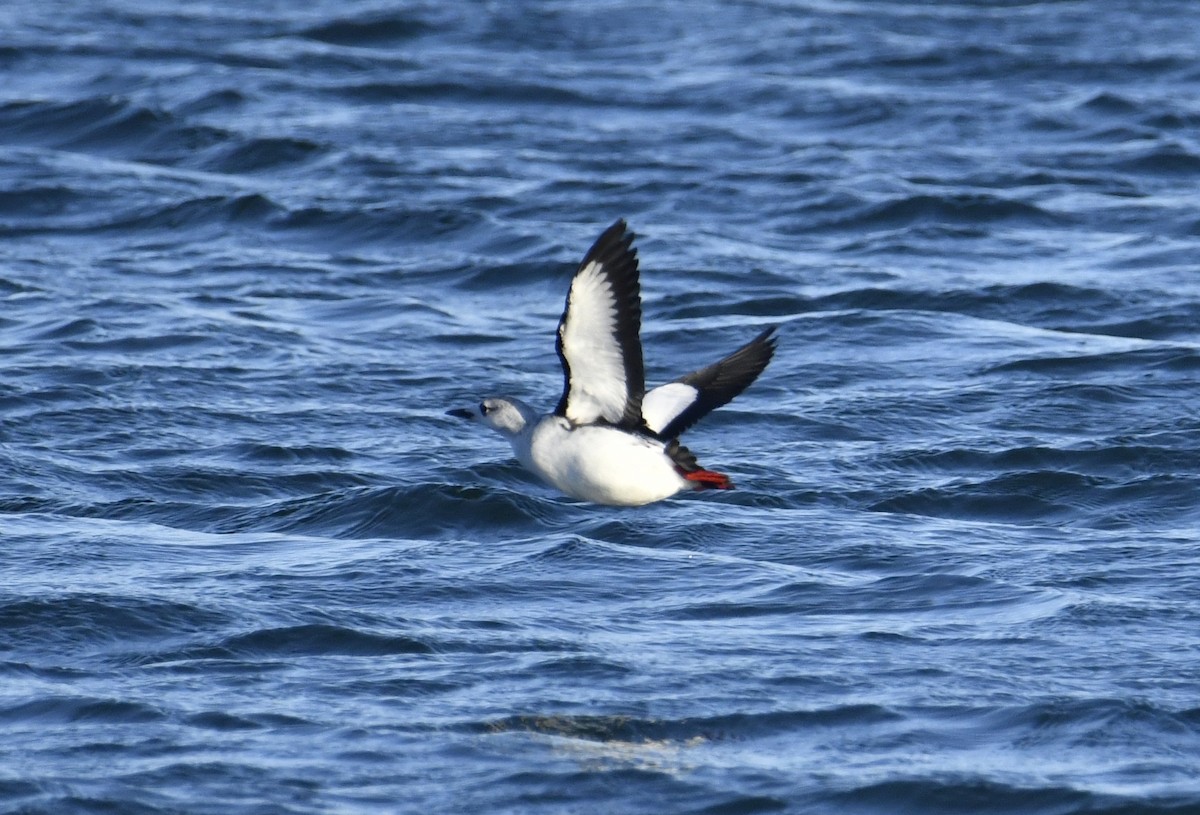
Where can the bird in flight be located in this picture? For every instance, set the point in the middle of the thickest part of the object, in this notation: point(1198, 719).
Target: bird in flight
point(609, 440)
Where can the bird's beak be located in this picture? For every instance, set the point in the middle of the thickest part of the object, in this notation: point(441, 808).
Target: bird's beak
point(461, 413)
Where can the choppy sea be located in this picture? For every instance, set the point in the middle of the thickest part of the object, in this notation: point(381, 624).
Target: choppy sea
point(251, 252)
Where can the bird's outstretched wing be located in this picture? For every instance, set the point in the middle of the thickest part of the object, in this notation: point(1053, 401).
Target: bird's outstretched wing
point(599, 340)
point(670, 409)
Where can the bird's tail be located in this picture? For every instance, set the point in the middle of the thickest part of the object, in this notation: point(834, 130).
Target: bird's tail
point(700, 478)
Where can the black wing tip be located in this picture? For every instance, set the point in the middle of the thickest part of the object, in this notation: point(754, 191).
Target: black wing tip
point(766, 337)
point(750, 360)
point(614, 244)
point(762, 347)
point(768, 340)
point(759, 351)
point(618, 227)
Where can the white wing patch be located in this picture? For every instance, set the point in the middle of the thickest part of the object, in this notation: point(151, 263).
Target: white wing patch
point(598, 389)
point(665, 402)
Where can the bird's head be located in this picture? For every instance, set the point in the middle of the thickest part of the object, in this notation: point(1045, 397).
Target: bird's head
point(508, 417)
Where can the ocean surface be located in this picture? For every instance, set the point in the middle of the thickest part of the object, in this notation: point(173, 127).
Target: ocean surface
point(250, 253)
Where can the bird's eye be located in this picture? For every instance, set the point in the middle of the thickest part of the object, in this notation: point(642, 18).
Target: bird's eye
point(483, 408)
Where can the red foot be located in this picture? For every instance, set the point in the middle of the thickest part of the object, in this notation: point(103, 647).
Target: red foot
point(708, 480)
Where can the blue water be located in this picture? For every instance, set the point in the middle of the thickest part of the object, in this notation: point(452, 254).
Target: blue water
point(251, 252)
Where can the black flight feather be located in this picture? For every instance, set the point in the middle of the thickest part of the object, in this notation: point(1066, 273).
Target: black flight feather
point(720, 382)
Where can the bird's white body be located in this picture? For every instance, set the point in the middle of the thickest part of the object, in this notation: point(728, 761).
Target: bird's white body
point(596, 463)
point(609, 441)
point(602, 464)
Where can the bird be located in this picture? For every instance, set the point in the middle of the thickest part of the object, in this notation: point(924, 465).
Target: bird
point(609, 441)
